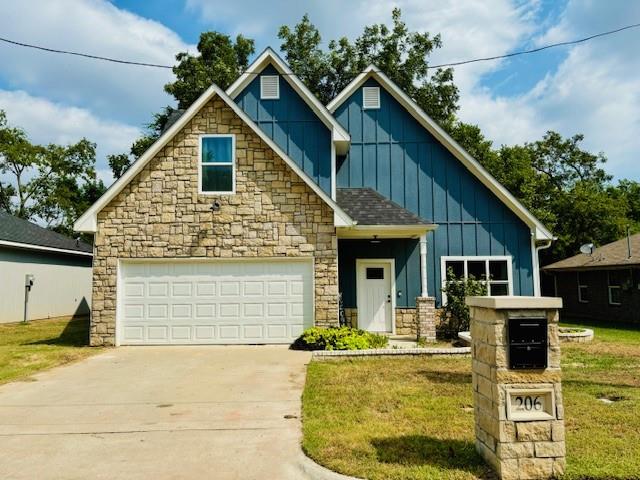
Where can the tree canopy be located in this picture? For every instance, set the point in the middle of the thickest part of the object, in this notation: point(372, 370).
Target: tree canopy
point(51, 183)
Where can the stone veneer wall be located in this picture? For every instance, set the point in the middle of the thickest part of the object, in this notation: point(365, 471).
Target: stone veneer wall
point(517, 450)
point(161, 215)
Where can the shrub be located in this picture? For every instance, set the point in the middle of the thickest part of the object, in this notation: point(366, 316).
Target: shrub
point(456, 312)
point(342, 338)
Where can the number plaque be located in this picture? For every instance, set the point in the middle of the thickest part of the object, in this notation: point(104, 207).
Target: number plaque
point(527, 405)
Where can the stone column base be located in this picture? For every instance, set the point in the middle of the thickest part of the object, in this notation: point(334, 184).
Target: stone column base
point(425, 318)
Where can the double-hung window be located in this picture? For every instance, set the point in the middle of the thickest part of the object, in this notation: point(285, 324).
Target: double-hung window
point(217, 164)
point(494, 271)
point(583, 289)
point(614, 287)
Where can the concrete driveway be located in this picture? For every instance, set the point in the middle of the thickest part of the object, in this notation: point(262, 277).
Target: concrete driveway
point(158, 412)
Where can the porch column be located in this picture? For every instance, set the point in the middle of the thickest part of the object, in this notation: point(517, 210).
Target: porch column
point(423, 265)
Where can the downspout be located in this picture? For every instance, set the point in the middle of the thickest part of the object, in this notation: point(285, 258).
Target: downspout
point(536, 284)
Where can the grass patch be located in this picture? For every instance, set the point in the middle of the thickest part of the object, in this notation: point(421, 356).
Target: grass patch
point(411, 418)
point(27, 348)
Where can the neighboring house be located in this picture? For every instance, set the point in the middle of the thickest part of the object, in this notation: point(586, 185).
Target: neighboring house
point(61, 269)
point(603, 285)
point(259, 206)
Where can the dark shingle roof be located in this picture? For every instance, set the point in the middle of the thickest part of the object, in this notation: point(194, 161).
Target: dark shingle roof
point(18, 230)
point(614, 254)
point(368, 207)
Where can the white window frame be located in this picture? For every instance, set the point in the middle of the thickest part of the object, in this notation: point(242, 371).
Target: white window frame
point(269, 97)
point(486, 258)
point(580, 286)
point(233, 163)
point(377, 90)
point(612, 287)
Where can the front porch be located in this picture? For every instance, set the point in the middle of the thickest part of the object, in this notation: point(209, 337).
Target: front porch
point(382, 267)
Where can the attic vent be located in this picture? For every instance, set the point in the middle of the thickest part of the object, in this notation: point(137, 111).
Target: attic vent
point(269, 87)
point(370, 97)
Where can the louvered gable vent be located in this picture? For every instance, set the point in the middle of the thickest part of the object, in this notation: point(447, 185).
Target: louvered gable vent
point(371, 97)
point(269, 87)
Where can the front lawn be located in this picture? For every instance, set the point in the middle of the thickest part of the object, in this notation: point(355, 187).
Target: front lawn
point(412, 418)
point(38, 345)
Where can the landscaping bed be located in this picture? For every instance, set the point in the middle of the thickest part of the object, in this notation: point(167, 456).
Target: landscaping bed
point(412, 417)
point(26, 348)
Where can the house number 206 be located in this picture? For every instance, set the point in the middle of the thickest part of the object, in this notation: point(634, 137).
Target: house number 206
point(528, 403)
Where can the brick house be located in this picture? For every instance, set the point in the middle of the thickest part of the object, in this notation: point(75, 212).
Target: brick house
point(259, 208)
point(603, 285)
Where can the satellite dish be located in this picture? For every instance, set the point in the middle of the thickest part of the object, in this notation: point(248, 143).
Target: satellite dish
point(587, 249)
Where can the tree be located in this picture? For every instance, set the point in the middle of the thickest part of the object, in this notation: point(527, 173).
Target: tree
point(46, 182)
point(220, 61)
point(399, 53)
point(119, 163)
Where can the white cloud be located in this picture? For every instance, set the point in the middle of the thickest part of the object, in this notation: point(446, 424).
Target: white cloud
point(47, 122)
point(121, 92)
point(594, 91)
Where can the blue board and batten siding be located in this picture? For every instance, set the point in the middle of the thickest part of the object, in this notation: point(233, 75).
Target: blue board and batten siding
point(393, 154)
point(293, 125)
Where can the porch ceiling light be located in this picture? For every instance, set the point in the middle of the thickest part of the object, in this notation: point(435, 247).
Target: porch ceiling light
point(375, 239)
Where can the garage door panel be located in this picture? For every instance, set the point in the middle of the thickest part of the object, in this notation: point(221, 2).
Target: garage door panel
point(215, 302)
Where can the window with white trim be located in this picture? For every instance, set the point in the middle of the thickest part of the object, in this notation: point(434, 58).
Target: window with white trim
point(217, 168)
point(269, 87)
point(494, 271)
point(583, 289)
point(370, 97)
point(614, 287)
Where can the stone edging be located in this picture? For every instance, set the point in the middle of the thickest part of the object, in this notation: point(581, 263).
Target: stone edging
point(319, 354)
point(315, 471)
point(580, 337)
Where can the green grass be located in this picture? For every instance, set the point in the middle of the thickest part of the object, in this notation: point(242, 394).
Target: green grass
point(411, 418)
point(29, 348)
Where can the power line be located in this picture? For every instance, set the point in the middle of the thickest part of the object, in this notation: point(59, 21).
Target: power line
point(452, 64)
point(86, 55)
point(539, 49)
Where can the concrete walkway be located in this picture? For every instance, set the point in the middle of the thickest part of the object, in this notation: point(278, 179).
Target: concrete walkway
point(158, 412)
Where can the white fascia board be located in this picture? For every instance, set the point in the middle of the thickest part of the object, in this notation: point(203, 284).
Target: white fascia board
point(269, 56)
point(88, 221)
point(385, 231)
point(29, 246)
point(443, 137)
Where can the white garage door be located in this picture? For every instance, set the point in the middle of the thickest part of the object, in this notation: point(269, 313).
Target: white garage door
point(223, 302)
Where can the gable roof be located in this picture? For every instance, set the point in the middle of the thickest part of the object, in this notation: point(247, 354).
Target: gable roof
point(269, 57)
point(88, 221)
point(20, 233)
point(614, 254)
point(541, 232)
point(368, 207)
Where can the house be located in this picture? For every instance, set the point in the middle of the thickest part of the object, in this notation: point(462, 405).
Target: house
point(603, 285)
point(60, 268)
point(259, 208)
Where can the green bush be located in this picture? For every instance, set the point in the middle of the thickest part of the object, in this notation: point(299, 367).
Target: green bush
point(342, 338)
point(456, 312)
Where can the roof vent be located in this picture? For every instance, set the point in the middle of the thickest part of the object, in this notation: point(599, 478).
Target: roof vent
point(269, 87)
point(370, 97)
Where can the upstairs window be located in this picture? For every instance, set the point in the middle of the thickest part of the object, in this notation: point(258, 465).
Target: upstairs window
point(370, 97)
point(217, 164)
point(495, 272)
point(615, 287)
point(269, 87)
point(583, 289)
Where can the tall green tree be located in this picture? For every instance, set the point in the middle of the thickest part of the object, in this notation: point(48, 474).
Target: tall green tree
point(400, 53)
point(52, 183)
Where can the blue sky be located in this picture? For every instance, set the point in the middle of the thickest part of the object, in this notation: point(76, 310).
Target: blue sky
point(593, 88)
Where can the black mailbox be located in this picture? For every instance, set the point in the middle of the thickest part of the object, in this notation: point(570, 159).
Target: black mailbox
point(527, 343)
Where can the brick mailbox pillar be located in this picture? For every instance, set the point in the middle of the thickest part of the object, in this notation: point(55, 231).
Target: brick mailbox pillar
point(517, 393)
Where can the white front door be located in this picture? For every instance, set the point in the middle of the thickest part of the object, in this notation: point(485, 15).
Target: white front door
point(375, 295)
